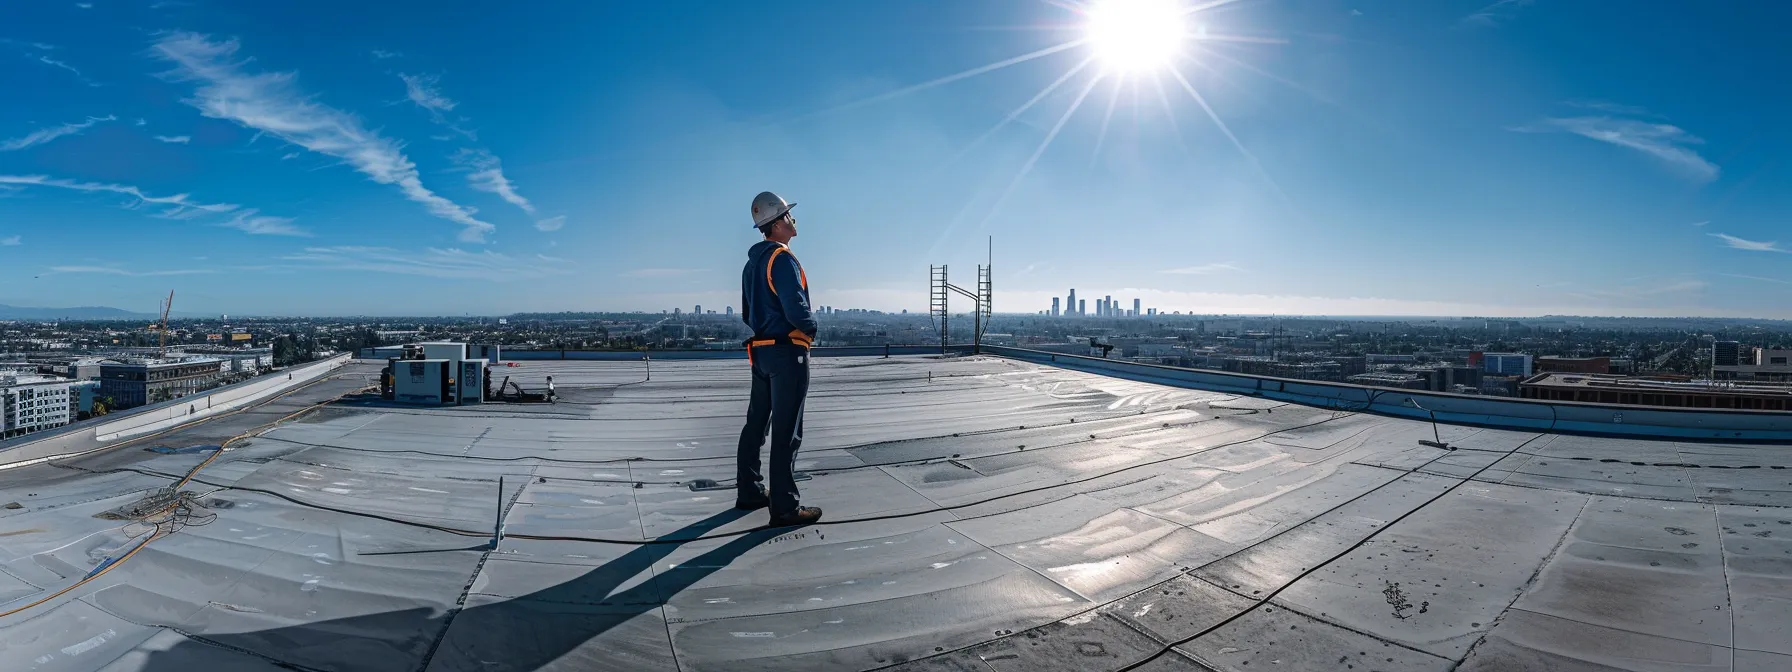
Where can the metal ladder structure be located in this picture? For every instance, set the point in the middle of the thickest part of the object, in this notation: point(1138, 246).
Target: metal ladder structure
point(936, 301)
point(940, 293)
point(985, 297)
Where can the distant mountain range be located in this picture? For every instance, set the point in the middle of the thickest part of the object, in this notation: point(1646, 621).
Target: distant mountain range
point(78, 313)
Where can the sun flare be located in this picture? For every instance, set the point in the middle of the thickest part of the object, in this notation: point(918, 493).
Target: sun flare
point(1136, 36)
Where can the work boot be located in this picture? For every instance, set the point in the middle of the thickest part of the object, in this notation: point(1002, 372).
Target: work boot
point(803, 515)
point(752, 503)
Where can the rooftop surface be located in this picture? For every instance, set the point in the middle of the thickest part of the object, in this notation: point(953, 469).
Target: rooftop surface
point(982, 514)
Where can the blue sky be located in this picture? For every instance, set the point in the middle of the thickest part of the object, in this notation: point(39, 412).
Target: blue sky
point(1369, 156)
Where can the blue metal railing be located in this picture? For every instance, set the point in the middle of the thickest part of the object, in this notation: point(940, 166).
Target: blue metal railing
point(1569, 417)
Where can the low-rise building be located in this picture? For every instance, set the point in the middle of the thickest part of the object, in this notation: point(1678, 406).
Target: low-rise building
point(140, 382)
point(1405, 381)
point(1554, 364)
point(1766, 365)
point(1447, 378)
point(1612, 389)
point(237, 360)
point(33, 403)
point(1351, 365)
point(1500, 386)
point(1507, 363)
point(1373, 359)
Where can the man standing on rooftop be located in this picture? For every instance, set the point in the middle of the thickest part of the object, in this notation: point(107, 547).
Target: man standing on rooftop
point(775, 305)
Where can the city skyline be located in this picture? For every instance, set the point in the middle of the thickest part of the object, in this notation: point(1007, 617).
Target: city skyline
point(1455, 158)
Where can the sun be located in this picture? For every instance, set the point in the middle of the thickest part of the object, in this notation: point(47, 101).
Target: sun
point(1136, 36)
point(1139, 46)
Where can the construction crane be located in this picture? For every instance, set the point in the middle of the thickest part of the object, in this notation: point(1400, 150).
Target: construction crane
point(167, 305)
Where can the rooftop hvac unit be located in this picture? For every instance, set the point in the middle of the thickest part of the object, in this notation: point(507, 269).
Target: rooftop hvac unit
point(423, 382)
point(471, 382)
point(489, 352)
point(453, 352)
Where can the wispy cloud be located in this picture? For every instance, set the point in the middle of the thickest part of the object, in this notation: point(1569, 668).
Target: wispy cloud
point(432, 262)
point(664, 272)
point(11, 241)
point(43, 135)
point(272, 103)
point(551, 223)
point(1610, 107)
point(422, 90)
point(142, 122)
point(27, 50)
point(38, 52)
point(175, 139)
point(1701, 223)
point(1664, 142)
point(1494, 15)
point(1640, 292)
point(382, 54)
point(1776, 281)
point(178, 202)
point(1675, 288)
point(114, 270)
point(425, 91)
point(180, 206)
point(53, 62)
point(289, 156)
point(84, 5)
point(250, 220)
point(1204, 269)
point(1750, 245)
point(487, 174)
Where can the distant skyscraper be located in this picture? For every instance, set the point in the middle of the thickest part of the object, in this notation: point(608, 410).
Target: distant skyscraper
point(1082, 306)
point(730, 311)
point(1070, 305)
point(1054, 306)
point(697, 310)
point(1135, 308)
point(1110, 305)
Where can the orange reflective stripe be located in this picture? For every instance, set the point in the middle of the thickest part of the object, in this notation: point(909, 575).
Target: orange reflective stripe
point(768, 271)
point(798, 337)
point(750, 345)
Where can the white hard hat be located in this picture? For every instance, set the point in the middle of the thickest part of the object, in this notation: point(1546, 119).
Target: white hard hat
point(767, 207)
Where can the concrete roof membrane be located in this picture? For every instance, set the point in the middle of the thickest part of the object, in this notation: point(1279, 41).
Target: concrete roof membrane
point(983, 515)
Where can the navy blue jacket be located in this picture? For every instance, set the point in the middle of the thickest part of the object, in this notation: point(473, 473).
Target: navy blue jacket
point(774, 293)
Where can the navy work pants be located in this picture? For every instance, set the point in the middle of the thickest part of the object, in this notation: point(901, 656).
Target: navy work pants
point(780, 384)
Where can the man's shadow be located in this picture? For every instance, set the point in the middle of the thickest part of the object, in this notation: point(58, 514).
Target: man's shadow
point(526, 632)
